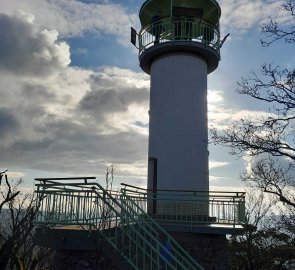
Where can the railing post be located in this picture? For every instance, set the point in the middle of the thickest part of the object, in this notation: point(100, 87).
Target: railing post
point(235, 210)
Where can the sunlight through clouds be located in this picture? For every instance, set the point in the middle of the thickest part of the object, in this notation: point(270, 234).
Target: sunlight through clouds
point(64, 116)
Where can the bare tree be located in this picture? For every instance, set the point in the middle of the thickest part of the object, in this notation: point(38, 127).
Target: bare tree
point(268, 139)
point(265, 245)
point(17, 227)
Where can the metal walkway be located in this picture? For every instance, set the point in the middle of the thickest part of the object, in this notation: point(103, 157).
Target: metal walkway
point(120, 220)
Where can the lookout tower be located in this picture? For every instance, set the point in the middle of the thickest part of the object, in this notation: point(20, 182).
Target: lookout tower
point(179, 44)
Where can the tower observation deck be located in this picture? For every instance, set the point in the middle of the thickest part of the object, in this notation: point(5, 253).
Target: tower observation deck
point(177, 25)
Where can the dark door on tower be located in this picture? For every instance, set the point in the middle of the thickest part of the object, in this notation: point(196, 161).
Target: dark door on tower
point(152, 173)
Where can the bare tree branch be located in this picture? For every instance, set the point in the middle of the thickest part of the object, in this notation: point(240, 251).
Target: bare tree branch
point(10, 195)
point(247, 136)
point(277, 86)
point(275, 31)
point(271, 177)
point(17, 228)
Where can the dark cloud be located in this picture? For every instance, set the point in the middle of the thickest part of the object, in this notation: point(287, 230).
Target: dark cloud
point(24, 51)
point(112, 95)
point(46, 123)
point(141, 124)
point(36, 93)
point(8, 122)
point(68, 147)
point(53, 133)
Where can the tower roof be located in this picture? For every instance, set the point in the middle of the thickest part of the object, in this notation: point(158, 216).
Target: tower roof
point(210, 9)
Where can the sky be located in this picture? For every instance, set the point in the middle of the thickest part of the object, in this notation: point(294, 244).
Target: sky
point(74, 99)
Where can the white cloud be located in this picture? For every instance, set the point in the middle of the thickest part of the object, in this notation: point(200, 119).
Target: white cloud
point(74, 18)
point(238, 16)
point(215, 179)
point(15, 175)
point(42, 124)
point(116, 94)
point(228, 189)
point(250, 161)
point(137, 169)
point(48, 130)
point(24, 50)
point(220, 115)
point(214, 97)
point(217, 164)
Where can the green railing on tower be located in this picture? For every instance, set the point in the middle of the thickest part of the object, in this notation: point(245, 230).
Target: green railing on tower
point(169, 30)
point(124, 224)
point(190, 208)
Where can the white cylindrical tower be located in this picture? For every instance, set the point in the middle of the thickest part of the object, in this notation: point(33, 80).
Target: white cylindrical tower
point(178, 46)
point(178, 122)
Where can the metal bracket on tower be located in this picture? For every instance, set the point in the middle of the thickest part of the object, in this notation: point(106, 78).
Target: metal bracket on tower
point(223, 40)
point(133, 37)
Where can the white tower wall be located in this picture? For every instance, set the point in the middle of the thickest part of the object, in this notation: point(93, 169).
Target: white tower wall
point(178, 136)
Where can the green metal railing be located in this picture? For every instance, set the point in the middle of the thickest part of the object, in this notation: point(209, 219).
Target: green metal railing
point(121, 222)
point(190, 207)
point(179, 29)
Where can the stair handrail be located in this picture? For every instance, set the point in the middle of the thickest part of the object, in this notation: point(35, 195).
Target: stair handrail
point(152, 236)
point(127, 214)
point(191, 261)
point(100, 194)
